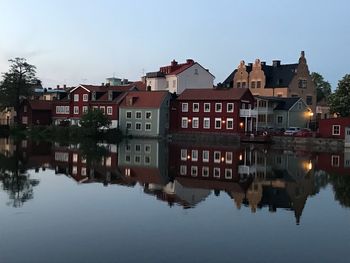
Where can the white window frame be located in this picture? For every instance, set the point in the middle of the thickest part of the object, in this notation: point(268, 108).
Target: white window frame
point(216, 120)
point(214, 170)
point(127, 147)
point(76, 97)
point(75, 158)
point(128, 123)
point(184, 107)
point(333, 163)
point(194, 155)
point(204, 121)
point(215, 159)
point(205, 107)
point(136, 123)
point(205, 168)
point(139, 148)
point(85, 109)
point(137, 159)
point(193, 107)
point(333, 130)
point(229, 120)
point(195, 120)
point(233, 107)
point(183, 154)
point(226, 173)
point(109, 110)
point(147, 146)
point(150, 126)
point(205, 156)
point(74, 170)
point(149, 159)
point(136, 113)
point(216, 107)
point(66, 109)
point(194, 171)
point(103, 109)
point(76, 110)
point(229, 157)
point(150, 117)
point(183, 169)
point(83, 171)
point(182, 122)
point(85, 97)
point(126, 115)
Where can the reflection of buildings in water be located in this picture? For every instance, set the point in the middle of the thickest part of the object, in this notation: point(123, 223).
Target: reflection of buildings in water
point(334, 163)
point(7, 146)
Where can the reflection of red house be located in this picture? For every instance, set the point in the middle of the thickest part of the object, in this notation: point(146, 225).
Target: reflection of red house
point(334, 163)
point(35, 112)
point(333, 128)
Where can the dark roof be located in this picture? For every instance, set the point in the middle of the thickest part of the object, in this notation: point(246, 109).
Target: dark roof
point(144, 99)
point(276, 76)
point(286, 103)
point(40, 104)
point(156, 74)
point(212, 94)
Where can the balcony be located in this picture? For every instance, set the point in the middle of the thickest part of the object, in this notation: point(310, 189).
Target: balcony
point(244, 169)
point(248, 113)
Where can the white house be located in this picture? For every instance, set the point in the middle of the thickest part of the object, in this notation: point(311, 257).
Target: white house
point(177, 77)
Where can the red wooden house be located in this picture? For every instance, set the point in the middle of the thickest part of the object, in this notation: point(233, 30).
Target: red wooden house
point(333, 128)
point(35, 112)
point(213, 111)
point(84, 97)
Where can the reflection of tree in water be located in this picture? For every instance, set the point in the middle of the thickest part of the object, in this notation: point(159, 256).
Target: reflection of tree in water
point(92, 152)
point(341, 188)
point(15, 181)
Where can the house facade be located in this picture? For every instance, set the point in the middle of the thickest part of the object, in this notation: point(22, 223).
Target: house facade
point(282, 113)
point(145, 113)
point(35, 112)
point(334, 127)
point(229, 111)
point(176, 77)
point(276, 80)
point(84, 97)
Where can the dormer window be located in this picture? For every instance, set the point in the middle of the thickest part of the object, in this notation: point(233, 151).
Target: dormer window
point(76, 97)
point(195, 71)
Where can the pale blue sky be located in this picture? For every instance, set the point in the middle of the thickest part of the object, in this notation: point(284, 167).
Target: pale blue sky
point(80, 41)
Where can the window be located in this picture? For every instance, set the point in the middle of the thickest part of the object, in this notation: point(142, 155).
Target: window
point(206, 107)
point(147, 148)
point(309, 100)
point(299, 105)
point(85, 97)
point(127, 158)
point(279, 119)
point(216, 172)
point(147, 159)
point(85, 109)
point(217, 157)
point(95, 107)
point(206, 123)
point(138, 126)
point(25, 108)
point(76, 109)
point(262, 103)
point(74, 170)
point(128, 125)
point(258, 84)
point(83, 171)
point(183, 154)
point(109, 110)
point(195, 122)
point(75, 157)
point(148, 115)
point(335, 129)
point(196, 71)
point(184, 107)
point(205, 171)
point(244, 85)
point(195, 107)
point(252, 84)
point(194, 155)
point(127, 147)
point(137, 159)
point(66, 109)
point(302, 83)
point(138, 115)
point(103, 109)
point(24, 120)
point(238, 84)
point(229, 107)
point(194, 171)
point(228, 173)
point(128, 114)
point(138, 148)
point(76, 97)
point(335, 160)
point(205, 156)
point(148, 126)
point(229, 123)
point(217, 123)
point(229, 157)
point(183, 170)
point(184, 122)
point(218, 107)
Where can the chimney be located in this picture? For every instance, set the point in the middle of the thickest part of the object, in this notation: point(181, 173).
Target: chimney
point(302, 54)
point(58, 86)
point(189, 61)
point(64, 86)
point(263, 63)
point(276, 63)
point(173, 63)
point(102, 84)
point(250, 65)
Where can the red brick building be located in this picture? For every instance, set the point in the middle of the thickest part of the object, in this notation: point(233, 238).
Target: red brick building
point(333, 128)
point(84, 97)
point(213, 111)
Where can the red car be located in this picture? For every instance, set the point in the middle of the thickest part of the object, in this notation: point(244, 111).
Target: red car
point(304, 133)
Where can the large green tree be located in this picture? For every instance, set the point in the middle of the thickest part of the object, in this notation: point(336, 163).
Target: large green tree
point(339, 101)
point(323, 88)
point(17, 83)
point(93, 121)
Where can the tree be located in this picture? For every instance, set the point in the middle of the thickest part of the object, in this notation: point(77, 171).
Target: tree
point(17, 83)
point(323, 88)
point(339, 101)
point(93, 121)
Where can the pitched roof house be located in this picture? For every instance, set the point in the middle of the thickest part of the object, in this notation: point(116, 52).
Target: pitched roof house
point(176, 77)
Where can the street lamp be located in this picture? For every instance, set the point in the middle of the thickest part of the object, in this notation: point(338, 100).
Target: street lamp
point(310, 115)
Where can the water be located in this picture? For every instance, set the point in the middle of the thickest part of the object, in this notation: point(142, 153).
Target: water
point(135, 202)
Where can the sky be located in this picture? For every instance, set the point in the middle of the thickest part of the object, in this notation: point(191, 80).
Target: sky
point(76, 41)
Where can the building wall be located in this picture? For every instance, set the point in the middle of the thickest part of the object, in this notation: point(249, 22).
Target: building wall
point(326, 127)
point(189, 79)
point(7, 116)
point(157, 83)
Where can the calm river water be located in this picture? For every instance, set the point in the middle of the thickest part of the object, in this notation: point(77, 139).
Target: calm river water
point(151, 201)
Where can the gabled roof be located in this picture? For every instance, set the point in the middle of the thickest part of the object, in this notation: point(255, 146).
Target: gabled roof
point(40, 104)
point(287, 103)
point(105, 88)
point(213, 94)
point(144, 99)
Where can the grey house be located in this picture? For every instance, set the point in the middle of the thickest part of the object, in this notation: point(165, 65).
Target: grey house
point(145, 113)
point(282, 112)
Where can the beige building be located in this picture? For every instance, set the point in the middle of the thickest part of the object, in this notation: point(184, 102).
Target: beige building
point(277, 80)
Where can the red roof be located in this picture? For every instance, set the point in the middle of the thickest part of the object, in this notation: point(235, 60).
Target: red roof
point(40, 104)
point(138, 84)
point(144, 99)
point(176, 68)
point(213, 94)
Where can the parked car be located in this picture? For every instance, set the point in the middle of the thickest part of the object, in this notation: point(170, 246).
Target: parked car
point(291, 130)
point(304, 133)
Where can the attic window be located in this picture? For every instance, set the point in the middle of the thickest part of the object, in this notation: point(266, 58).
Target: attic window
point(195, 71)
